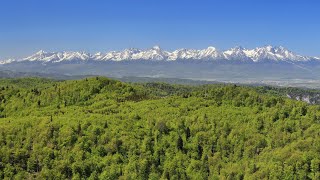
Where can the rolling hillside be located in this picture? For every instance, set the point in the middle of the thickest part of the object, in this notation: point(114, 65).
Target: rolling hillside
point(98, 128)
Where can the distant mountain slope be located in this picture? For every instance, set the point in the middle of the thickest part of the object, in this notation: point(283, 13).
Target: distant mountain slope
point(259, 54)
point(263, 65)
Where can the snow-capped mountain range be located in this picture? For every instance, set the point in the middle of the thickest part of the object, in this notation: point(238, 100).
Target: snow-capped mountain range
point(259, 54)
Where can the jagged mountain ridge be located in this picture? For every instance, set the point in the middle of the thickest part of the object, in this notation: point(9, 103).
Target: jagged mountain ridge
point(266, 53)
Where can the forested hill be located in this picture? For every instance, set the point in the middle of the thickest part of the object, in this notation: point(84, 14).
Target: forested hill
point(98, 128)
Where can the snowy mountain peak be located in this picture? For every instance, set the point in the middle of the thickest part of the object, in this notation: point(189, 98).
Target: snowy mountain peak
point(7, 61)
point(211, 48)
point(40, 55)
point(268, 47)
point(156, 47)
point(238, 53)
point(210, 53)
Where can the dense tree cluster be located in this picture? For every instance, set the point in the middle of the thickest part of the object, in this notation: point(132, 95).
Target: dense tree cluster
point(97, 128)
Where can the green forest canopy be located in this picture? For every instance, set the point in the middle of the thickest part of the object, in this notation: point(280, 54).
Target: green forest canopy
point(98, 128)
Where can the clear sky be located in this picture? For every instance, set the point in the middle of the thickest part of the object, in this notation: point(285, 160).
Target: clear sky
point(27, 26)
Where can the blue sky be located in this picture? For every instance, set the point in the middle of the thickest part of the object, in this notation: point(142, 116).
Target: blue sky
point(27, 26)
